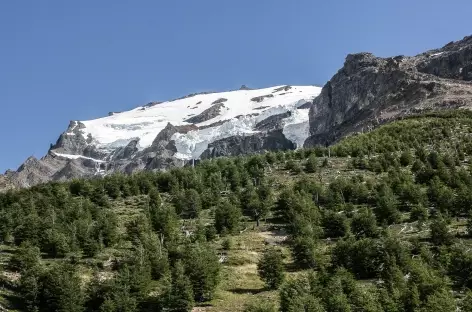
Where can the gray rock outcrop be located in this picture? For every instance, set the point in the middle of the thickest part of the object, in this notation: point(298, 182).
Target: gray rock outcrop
point(209, 113)
point(248, 144)
point(370, 90)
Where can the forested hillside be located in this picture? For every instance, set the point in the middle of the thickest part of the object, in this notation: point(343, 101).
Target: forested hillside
point(378, 222)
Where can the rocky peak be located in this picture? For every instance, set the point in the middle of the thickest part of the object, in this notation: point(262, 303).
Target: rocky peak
point(359, 61)
point(165, 134)
point(30, 161)
point(453, 61)
point(369, 90)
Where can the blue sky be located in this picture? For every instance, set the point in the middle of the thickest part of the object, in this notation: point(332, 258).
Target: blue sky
point(78, 60)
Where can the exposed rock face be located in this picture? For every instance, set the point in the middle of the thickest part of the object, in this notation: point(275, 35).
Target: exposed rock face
point(239, 145)
point(126, 152)
point(220, 100)
point(273, 122)
point(207, 114)
point(5, 183)
point(453, 61)
point(369, 90)
point(284, 88)
point(70, 142)
point(259, 99)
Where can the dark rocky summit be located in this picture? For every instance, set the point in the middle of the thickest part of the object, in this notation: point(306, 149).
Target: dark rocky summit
point(244, 87)
point(369, 90)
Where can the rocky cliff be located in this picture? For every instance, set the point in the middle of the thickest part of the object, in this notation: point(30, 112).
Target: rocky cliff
point(369, 90)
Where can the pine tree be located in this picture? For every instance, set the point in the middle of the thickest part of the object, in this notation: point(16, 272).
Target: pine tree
point(440, 301)
point(203, 269)
point(364, 224)
point(271, 268)
point(227, 217)
point(61, 290)
point(440, 232)
point(311, 165)
point(406, 158)
point(335, 224)
point(466, 303)
point(387, 206)
point(419, 213)
point(26, 257)
point(30, 288)
point(193, 203)
point(181, 298)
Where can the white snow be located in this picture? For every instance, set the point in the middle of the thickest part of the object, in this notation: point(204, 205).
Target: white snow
point(297, 127)
point(437, 54)
point(70, 156)
point(145, 123)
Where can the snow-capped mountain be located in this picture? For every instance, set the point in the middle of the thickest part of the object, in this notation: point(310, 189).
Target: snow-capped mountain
point(160, 135)
point(211, 117)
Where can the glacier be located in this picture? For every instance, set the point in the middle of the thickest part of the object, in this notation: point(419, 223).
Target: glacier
point(240, 112)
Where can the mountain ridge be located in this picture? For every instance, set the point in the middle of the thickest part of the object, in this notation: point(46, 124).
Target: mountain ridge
point(366, 92)
point(172, 133)
point(370, 90)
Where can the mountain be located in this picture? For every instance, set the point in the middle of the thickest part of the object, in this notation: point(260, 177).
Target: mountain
point(366, 92)
point(160, 135)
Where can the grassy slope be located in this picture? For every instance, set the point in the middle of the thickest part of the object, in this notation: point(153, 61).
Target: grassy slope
point(240, 283)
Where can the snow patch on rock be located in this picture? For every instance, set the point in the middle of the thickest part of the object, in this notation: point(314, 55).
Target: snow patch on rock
point(239, 116)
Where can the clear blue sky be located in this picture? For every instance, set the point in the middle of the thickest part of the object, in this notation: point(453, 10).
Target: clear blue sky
point(76, 60)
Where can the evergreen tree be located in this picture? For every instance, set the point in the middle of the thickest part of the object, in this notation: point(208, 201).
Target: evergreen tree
point(335, 224)
point(271, 268)
point(441, 301)
point(61, 290)
point(303, 251)
point(298, 295)
point(466, 303)
point(29, 288)
point(387, 206)
point(203, 269)
point(293, 166)
point(253, 205)
point(411, 298)
point(364, 224)
point(227, 217)
point(440, 232)
point(27, 257)
point(181, 291)
point(311, 164)
point(406, 158)
point(193, 203)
